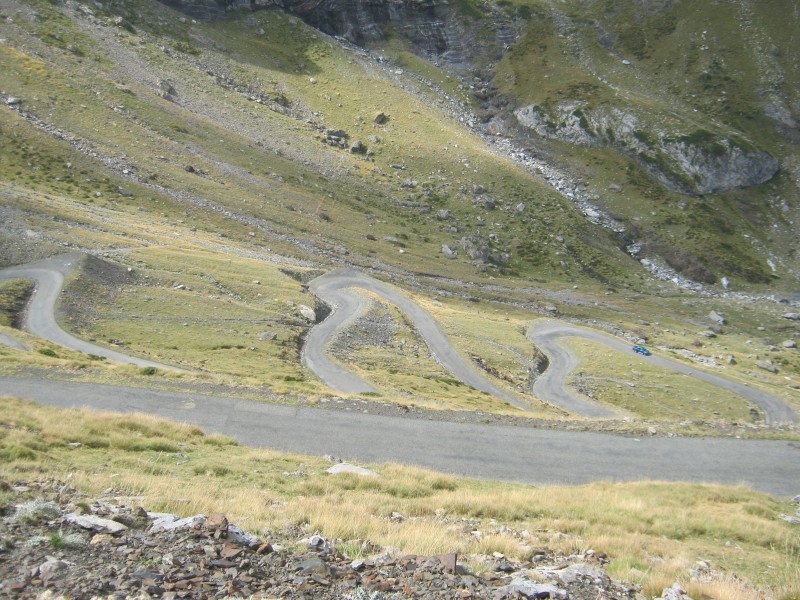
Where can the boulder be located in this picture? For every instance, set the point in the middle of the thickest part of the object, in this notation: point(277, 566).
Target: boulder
point(167, 91)
point(449, 251)
point(476, 248)
point(95, 523)
point(767, 366)
point(443, 214)
point(791, 316)
point(789, 344)
point(358, 147)
point(716, 318)
point(308, 313)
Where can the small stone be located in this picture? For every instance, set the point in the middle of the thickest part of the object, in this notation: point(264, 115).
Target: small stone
point(448, 561)
point(52, 567)
point(358, 565)
point(101, 538)
point(314, 566)
point(790, 519)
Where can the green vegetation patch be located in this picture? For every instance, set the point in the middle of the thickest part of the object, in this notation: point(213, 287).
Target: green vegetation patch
point(14, 295)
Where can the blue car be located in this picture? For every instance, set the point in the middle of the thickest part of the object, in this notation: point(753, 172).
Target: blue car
point(641, 350)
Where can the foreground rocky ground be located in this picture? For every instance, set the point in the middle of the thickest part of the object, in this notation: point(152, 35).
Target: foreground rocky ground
point(57, 543)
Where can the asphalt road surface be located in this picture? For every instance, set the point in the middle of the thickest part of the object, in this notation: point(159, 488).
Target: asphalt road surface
point(551, 385)
point(40, 316)
point(521, 454)
point(333, 289)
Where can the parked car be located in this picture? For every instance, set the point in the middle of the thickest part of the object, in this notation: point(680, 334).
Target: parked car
point(641, 350)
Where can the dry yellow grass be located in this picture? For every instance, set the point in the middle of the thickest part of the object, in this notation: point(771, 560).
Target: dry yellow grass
point(652, 532)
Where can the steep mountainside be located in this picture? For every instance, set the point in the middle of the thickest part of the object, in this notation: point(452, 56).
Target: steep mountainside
point(681, 118)
point(674, 124)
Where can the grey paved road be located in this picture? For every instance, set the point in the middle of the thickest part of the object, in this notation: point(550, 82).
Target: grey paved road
point(40, 316)
point(540, 457)
point(551, 385)
point(347, 305)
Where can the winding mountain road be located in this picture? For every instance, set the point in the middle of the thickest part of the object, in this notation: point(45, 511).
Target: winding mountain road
point(551, 385)
point(40, 317)
point(335, 289)
point(510, 453)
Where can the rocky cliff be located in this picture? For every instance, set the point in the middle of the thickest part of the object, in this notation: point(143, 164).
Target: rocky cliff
point(694, 161)
point(459, 37)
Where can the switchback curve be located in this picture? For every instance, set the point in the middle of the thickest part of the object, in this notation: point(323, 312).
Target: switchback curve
point(40, 318)
point(332, 288)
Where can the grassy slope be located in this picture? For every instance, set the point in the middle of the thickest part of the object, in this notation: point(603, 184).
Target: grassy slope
point(651, 532)
point(295, 196)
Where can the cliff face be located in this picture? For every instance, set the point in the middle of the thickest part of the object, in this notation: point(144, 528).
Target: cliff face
point(691, 160)
point(435, 30)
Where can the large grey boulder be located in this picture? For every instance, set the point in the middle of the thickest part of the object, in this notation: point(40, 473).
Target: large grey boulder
point(476, 247)
point(95, 523)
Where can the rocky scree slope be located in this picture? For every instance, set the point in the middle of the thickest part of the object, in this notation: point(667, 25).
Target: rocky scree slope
point(58, 541)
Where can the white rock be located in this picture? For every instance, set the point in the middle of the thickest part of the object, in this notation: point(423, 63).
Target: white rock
point(97, 524)
point(52, 567)
point(348, 468)
point(307, 312)
point(531, 589)
point(172, 523)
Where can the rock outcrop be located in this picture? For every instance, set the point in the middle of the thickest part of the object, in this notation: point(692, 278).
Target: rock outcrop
point(697, 161)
